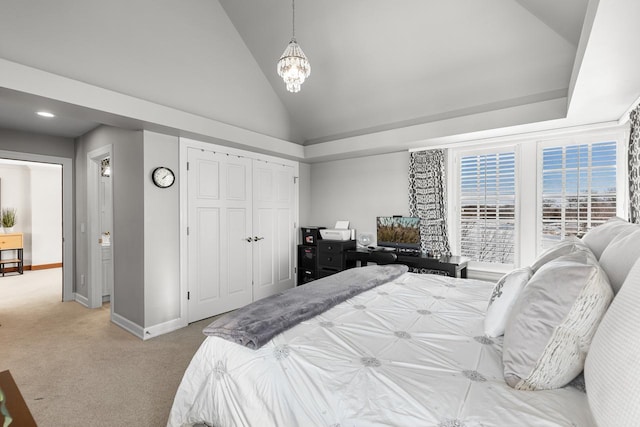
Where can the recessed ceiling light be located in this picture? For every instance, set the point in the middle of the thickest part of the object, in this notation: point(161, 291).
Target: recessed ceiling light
point(46, 114)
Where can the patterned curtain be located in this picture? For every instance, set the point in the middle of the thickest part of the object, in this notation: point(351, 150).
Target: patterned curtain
point(427, 199)
point(634, 167)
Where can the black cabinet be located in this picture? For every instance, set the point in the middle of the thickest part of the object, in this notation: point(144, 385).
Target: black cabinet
point(307, 263)
point(325, 258)
point(332, 256)
point(308, 254)
point(308, 257)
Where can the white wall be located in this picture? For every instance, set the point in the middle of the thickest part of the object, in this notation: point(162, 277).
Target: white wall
point(359, 190)
point(35, 191)
point(46, 214)
point(16, 193)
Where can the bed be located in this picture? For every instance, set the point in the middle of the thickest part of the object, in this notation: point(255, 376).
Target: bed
point(409, 352)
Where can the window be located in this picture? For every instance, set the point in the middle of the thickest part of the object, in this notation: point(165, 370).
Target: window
point(513, 198)
point(487, 201)
point(578, 189)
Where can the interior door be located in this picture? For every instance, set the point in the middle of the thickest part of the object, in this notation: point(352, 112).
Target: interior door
point(106, 224)
point(99, 222)
point(219, 238)
point(273, 228)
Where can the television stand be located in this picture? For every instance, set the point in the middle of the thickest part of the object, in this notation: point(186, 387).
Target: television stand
point(453, 266)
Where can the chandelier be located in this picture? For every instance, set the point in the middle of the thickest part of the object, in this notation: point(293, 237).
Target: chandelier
point(293, 65)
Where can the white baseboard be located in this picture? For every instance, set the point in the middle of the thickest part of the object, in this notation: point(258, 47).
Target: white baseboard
point(82, 300)
point(146, 333)
point(128, 325)
point(163, 328)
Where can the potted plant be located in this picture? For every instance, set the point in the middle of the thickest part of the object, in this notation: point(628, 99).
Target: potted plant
point(8, 219)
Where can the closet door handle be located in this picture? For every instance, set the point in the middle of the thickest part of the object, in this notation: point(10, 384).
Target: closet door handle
point(256, 238)
point(249, 239)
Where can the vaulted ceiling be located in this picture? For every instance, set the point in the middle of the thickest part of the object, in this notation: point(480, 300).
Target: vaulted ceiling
point(377, 64)
point(385, 75)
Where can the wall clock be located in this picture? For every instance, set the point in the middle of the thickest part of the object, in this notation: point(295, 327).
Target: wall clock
point(163, 177)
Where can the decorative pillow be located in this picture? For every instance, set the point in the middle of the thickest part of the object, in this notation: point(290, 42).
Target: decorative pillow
point(564, 247)
point(619, 256)
point(503, 297)
point(612, 371)
point(553, 321)
point(598, 238)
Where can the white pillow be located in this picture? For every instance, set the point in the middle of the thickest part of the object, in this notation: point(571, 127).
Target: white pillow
point(612, 370)
point(619, 256)
point(568, 245)
point(598, 238)
point(504, 296)
point(553, 321)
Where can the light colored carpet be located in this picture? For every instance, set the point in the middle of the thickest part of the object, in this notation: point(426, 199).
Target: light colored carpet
point(76, 368)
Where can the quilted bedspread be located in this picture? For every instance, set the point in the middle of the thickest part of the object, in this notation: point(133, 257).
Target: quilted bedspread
point(406, 353)
point(255, 324)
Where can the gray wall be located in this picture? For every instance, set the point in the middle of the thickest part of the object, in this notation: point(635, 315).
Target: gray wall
point(128, 216)
point(304, 200)
point(194, 60)
point(358, 190)
point(33, 143)
point(161, 232)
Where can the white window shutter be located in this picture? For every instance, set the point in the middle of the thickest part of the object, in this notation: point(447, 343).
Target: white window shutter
point(578, 189)
point(487, 219)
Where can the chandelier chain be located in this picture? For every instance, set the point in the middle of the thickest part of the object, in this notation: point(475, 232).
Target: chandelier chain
point(293, 19)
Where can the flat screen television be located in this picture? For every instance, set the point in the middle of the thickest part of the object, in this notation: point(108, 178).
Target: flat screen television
point(400, 232)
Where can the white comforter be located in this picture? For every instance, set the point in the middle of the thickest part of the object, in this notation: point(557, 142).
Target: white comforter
point(407, 353)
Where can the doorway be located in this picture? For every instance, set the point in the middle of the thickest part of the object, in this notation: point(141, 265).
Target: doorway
point(66, 242)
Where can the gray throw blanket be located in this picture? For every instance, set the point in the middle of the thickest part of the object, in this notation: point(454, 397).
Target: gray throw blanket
point(255, 324)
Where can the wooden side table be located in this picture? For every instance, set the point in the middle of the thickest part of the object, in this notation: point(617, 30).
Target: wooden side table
point(12, 242)
point(14, 404)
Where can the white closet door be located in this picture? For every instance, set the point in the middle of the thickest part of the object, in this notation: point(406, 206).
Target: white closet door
point(273, 228)
point(219, 217)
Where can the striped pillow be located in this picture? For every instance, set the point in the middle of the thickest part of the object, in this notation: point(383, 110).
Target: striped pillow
point(612, 371)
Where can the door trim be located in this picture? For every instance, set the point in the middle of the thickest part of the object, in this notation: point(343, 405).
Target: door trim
point(184, 241)
point(94, 288)
point(68, 219)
